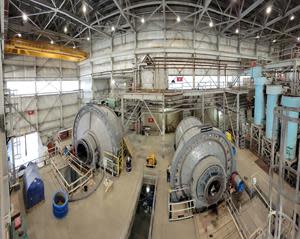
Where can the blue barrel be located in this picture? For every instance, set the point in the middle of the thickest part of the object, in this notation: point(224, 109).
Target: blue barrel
point(60, 204)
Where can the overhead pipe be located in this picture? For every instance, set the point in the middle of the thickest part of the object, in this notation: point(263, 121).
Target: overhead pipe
point(291, 132)
point(273, 93)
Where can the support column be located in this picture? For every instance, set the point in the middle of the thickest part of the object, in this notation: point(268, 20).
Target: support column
point(122, 111)
point(163, 130)
point(202, 108)
point(237, 140)
point(60, 95)
point(4, 178)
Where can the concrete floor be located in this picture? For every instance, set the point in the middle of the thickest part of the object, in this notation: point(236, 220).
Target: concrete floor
point(108, 215)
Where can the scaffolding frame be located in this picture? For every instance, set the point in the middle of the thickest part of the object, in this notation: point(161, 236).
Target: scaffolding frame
point(266, 149)
point(224, 100)
point(256, 133)
point(282, 218)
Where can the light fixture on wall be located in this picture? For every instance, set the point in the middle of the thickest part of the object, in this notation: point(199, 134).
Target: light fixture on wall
point(84, 8)
point(24, 17)
point(269, 9)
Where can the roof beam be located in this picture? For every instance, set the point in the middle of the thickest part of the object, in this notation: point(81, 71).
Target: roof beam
point(124, 15)
point(244, 13)
point(29, 28)
point(206, 4)
point(182, 3)
point(67, 14)
point(292, 28)
point(277, 19)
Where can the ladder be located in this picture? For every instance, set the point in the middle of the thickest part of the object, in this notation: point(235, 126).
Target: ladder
point(242, 142)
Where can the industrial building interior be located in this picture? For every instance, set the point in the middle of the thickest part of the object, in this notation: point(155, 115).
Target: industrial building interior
point(150, 119)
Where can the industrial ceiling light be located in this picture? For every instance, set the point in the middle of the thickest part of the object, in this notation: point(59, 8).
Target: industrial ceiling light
point(257, 36)
point(148, 189)
point(113, 82)
point(24, 17)
point(292, 17)
point(19, 35)
point(84, 8)
point(269, 9)
point(211, 24)
point(52, 42)
point(113, 28)
point(74, 47)
point(142, 20)
point(274, 40)
point(237, 31)
point(88, 38)
point(298, 38)
point(65, 29)
point(178, 19)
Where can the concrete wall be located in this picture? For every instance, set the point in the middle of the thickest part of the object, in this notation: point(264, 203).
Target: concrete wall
point(124, 52)
point(39, 110)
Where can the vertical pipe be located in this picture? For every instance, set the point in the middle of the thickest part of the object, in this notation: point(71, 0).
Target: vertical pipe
point(273, 93)
point(259, 106)
point(259, 83)
point(292, 127)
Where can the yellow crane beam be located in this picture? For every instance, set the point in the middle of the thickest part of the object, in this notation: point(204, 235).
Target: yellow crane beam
point(42, 49)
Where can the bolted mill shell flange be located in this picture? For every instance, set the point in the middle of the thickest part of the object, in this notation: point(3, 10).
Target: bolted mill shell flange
point(96, 130)
point(202, 164)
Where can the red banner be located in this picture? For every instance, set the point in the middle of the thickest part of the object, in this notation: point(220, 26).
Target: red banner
point(150, 120)
point(179, 78)
point(30, 112)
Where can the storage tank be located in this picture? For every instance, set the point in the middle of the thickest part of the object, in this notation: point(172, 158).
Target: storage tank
point(273, 93)
point(96, 130)
point(172, 119)
point(202, 164)
point(259, 84)
point(33, 186)
point(291, 132)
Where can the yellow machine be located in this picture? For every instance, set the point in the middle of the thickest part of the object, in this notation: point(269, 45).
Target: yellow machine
point(21, 46)
point(151, 161)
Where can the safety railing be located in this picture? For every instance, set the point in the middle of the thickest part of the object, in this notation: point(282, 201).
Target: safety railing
point(182, 209)
point(287, 53)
